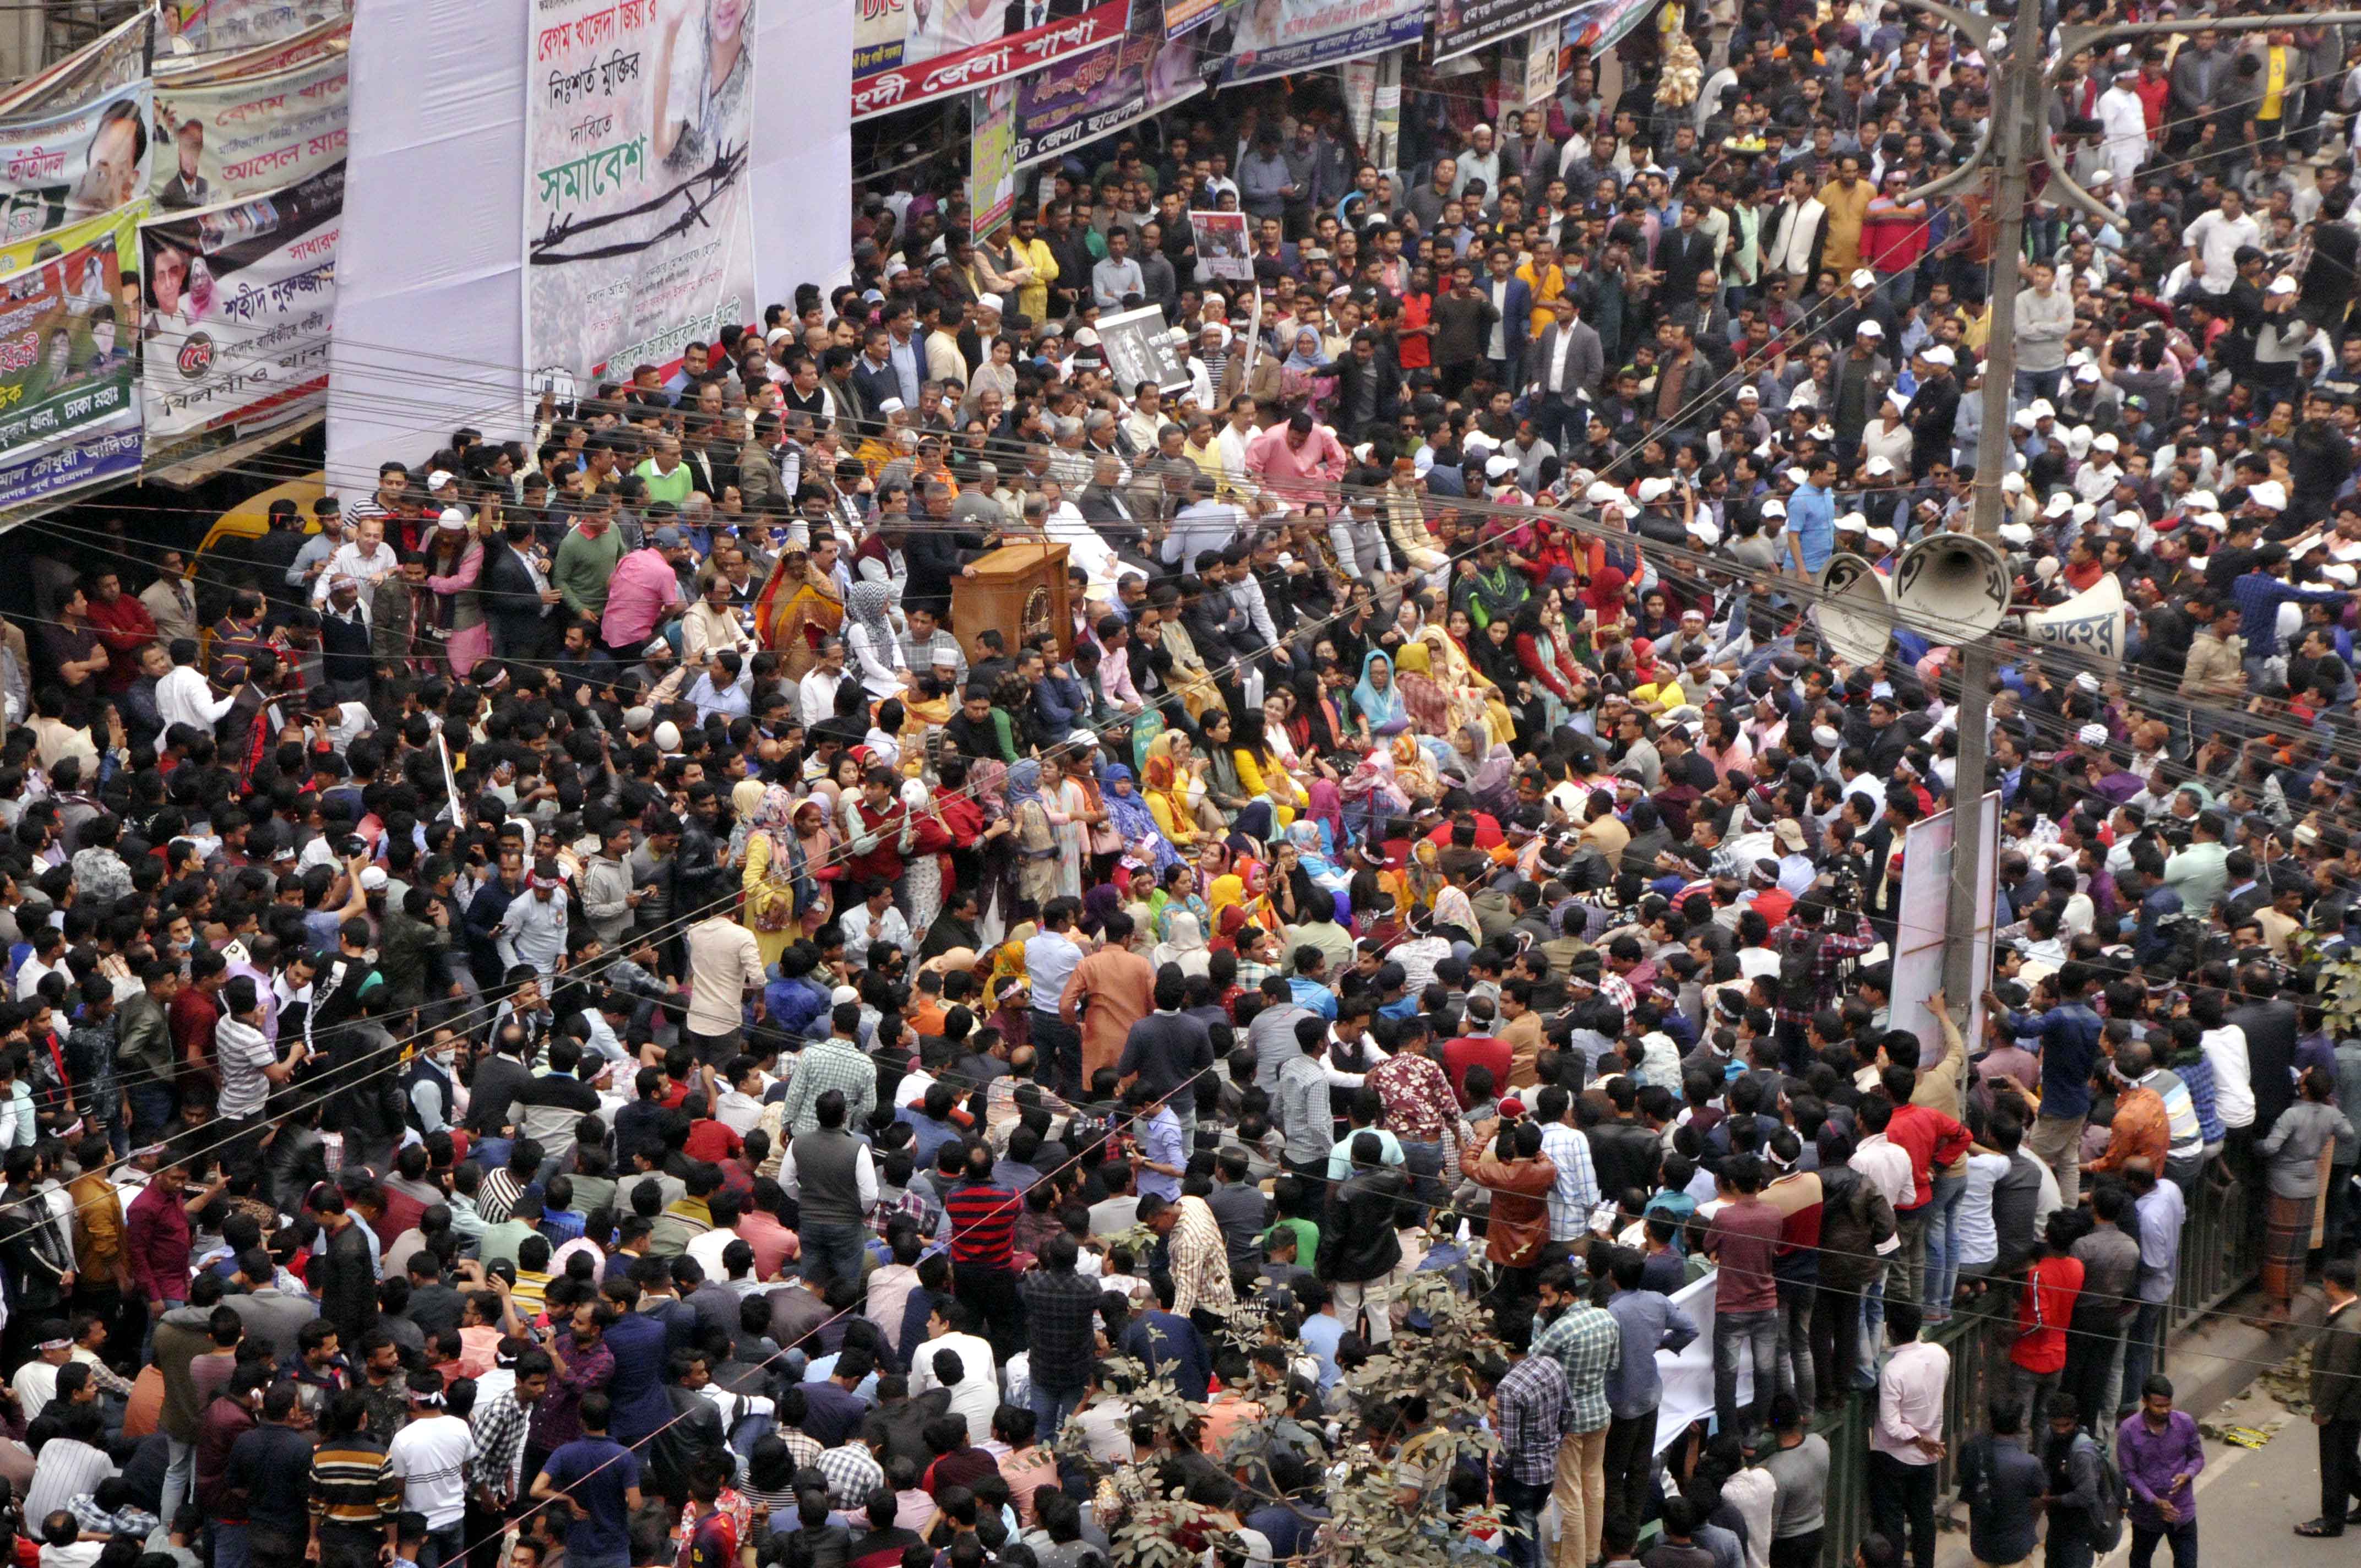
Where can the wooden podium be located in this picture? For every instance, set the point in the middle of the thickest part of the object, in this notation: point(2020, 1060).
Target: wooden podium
point(1018, 590)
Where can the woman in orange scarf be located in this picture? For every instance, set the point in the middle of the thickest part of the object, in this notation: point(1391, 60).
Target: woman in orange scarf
point(798, 609)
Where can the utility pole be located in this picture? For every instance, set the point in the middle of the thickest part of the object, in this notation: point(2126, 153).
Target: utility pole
point(2018, 118)
point(2019, 137)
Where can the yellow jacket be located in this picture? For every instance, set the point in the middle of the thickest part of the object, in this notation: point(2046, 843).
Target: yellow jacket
point(1033, 295)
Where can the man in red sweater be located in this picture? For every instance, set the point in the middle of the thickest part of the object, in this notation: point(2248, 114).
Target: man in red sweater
point(123, 624)
point(1932, 1139)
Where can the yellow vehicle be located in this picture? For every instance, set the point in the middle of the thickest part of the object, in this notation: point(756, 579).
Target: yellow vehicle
point(219, 565)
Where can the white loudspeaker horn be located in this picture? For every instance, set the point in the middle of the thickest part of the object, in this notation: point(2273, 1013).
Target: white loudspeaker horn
point(1856, 609)
point(2090, 624)
point(1952, 588)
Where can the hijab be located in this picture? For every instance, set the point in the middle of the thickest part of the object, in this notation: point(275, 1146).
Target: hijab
point(1327, 808)
point(1130, 813)
point(866, 606)
point(1184, 944)
point(1024, 783)
point(1301, 359)
point(1604, 592)
point(1378, 707)
point(987, 784)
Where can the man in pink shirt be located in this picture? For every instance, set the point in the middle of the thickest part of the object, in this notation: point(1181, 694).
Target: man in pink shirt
point(759, 1227)
point(1300, 461)
point(645, 588)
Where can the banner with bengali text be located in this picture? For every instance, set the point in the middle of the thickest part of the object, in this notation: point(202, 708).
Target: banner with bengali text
point(334, 37)
point(202, 30)
point(115, 59)
point(1075, 104)
point(1463, 27)
point(1180, 16)
point(229, 140)
point(74, 163)
point(68, 396)
point(240, 299)
point(906, 52)
point(1279, 38)
point(637, 222)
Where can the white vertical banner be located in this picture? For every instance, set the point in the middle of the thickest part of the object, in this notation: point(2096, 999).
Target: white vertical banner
point(437, 106)
point(1920, 934)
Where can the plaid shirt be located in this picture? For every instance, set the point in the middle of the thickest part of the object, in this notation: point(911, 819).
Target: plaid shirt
point(851, 1471)
point(1532, 1400)
point(1060, 1314)
point(496, 1445)
point(1577, 1192)
point(833, 1063)
point(1585, 1343)
point(94, 1520)
point(1836, 947)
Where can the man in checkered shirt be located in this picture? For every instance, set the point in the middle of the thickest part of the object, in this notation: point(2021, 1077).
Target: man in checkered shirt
point(1585, 1343)
point(1529, 1399)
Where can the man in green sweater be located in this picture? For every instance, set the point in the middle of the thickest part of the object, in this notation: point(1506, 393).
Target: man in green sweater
point(588, 558)
point(668, 478)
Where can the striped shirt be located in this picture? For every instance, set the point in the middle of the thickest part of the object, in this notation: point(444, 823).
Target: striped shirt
point(1576, 1191)
point(984, 1224)
point(352, 1483)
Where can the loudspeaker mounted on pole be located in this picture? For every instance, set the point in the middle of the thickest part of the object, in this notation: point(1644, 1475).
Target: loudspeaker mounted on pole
point(2090, 624)
point(1952, 588)
point(1856, 613)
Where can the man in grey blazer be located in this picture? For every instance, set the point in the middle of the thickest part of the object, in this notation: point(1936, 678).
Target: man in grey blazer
point(1562, 365)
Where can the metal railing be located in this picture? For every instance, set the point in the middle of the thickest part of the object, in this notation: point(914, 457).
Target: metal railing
point(2221, 1246)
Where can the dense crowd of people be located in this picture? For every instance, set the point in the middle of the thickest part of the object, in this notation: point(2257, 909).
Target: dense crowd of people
point(570, 1007)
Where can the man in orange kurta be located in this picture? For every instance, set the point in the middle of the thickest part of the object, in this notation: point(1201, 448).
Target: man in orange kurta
point(1110, 991)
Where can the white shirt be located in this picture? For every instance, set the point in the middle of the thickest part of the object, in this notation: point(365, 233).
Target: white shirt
point(978, 1394)
point(817, 691)
point(708, 1249)
point(2234, 1076)
point(184, 697)
point(363, 567)
point(431, 1457)
point(36, 1384)
point(2216, 238)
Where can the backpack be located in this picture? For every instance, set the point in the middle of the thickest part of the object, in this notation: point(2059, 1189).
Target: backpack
point(2107, 1525)
point(1799, 956)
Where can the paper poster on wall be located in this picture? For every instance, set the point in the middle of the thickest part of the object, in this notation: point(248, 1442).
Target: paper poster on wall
point(911, 51)
point(69, 396)
point(992, 160)
point(240, 299)
point(1075, 103)
point(1222, 245)
point(1138, 347)
point(225, 141)
point(77, 163)
point(639, 237)
point(1277, 38)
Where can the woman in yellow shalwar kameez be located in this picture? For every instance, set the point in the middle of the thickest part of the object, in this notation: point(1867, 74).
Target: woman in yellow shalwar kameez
point(1473, 699)
point(776, 878)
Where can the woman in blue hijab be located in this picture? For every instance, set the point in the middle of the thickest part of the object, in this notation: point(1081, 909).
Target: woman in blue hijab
point(1128, 810)
point(1378, 700)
